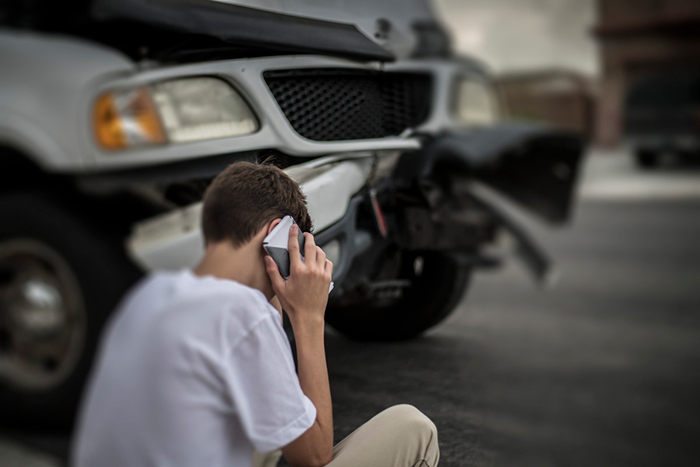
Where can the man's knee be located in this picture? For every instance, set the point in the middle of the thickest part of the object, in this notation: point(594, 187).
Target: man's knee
point(412, 419)
point(398, 436)
point(416, 430)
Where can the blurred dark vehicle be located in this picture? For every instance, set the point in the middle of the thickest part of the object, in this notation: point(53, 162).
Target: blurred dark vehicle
point(115, 116)
point(662, 116)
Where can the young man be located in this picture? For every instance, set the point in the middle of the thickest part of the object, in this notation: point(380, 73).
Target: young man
point(196, 370)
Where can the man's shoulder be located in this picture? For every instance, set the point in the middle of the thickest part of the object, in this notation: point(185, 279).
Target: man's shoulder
point(180, 307)
point(235, 309)
point(184, 283)
point(211, 296)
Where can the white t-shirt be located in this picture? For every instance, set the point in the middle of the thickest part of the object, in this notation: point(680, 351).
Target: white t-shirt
point(192, 371)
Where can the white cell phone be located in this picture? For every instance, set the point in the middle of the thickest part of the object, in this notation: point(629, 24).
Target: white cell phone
point(276, 244)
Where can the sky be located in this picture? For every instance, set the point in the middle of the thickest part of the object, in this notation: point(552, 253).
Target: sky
point(524, 35)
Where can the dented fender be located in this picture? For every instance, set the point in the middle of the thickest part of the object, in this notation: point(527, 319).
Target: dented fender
point(535, 166)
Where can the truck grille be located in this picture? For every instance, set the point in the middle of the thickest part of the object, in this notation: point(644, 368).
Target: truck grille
point(341, 104)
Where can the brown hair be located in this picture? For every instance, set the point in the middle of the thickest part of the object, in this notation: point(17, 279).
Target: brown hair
point(243, 198)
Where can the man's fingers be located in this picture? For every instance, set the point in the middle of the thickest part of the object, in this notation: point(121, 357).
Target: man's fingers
point(328, 269)
point(320, 258)
point(293, 247)
point(273, 271)
point(309, 248)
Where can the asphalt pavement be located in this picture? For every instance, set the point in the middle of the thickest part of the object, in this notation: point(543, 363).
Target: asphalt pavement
point(601, 369)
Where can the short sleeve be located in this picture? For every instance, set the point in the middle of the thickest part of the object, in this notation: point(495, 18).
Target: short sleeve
point(264, 387)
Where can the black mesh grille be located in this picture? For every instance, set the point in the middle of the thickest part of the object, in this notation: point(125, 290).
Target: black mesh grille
point(337, 104)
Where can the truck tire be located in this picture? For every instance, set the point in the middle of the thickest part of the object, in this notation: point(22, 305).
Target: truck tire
point(432, 296)
point(59, 280)
point(646, 159)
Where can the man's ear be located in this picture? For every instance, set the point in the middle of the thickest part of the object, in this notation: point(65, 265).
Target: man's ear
point(272, 225)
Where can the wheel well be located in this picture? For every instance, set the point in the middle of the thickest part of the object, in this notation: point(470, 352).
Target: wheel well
point(113, 214)
point(17, 170)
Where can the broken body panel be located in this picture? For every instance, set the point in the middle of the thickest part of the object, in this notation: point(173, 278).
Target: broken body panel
point(532, 166)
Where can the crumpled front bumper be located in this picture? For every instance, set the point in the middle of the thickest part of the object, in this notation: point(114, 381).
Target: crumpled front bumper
point(535, 166)
point(532, 166)
point(174, 240)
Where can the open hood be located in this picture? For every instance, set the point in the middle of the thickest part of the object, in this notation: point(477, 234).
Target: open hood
point(404, 27)
point(175, 30)
point(240, 25)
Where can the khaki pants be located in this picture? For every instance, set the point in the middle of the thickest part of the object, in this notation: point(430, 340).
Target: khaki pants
point(400, 436)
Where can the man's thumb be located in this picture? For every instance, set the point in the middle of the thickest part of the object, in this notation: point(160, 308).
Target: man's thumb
point(274, 273)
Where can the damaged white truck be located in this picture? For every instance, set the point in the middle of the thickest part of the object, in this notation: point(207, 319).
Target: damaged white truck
point(115, 115)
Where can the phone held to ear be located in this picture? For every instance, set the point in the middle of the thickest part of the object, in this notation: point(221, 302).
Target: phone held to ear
point(276, 245)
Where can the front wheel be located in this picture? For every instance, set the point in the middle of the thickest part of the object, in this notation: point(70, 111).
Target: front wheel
point(60, 277)
point(438, 283)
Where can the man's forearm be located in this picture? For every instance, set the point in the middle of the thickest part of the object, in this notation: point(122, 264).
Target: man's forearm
point(304, 295)
point(313, 377)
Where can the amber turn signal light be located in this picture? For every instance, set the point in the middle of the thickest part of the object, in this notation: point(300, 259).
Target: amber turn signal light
point(128, 119)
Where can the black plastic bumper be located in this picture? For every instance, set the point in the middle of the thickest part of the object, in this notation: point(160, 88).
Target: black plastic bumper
point(534, 165)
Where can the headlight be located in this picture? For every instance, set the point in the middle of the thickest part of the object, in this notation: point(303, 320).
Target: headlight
point(202, 108)
point(476, 103)
point(177, 111)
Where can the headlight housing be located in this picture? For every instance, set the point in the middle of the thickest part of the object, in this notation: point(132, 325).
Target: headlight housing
point(176, 111)
point(476, 103)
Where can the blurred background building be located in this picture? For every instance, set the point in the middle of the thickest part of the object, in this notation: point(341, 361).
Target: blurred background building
point(639, 39)
point(557, 96)
point(542, 52)
point(571, 63)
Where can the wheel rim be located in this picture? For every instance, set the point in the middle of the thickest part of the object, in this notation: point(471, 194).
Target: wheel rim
point(42, 316)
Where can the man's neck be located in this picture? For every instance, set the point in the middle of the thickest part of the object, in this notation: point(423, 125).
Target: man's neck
point(243, 264)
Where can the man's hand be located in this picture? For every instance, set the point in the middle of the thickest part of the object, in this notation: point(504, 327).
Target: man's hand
point(304, 294)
